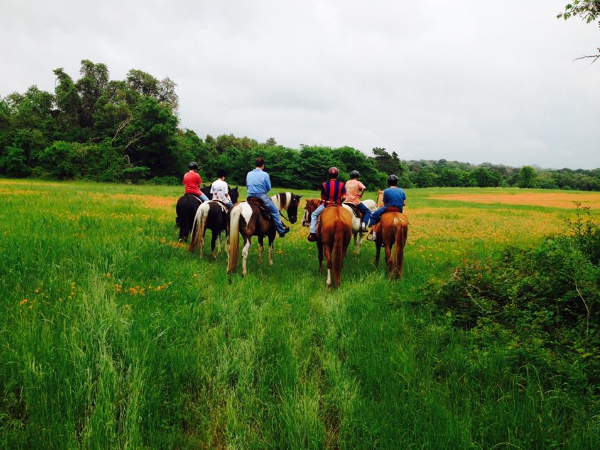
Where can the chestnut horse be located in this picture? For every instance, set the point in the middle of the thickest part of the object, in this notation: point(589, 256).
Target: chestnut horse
point(391, 230)
point(357, 231)
point(246, 218)
point(334, 231)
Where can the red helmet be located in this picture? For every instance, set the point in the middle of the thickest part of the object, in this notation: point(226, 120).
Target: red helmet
point(333, 171)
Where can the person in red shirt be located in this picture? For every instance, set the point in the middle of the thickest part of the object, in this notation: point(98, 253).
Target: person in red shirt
point(192, 182)
point(332, 191)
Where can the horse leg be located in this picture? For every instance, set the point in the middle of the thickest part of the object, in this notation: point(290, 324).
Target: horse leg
point(261, 248)
point(213, 240)
point(219, 242)
point(271, 249)
point(377, 252)
point(329, 265)
point(388, 258)
point(245, 252)
point(320, 248)
point(202, 236)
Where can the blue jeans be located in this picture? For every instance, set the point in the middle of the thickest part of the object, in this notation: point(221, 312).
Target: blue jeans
point(272, 209)
point(202, 196)
point(376, 216)
point(366, 212)
point(314, 217)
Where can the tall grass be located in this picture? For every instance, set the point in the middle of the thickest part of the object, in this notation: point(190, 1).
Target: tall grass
point(114, 336)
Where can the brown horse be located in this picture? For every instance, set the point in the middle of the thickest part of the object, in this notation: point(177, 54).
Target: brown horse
point(246, 218)
point(392, 230)
point(334, 232)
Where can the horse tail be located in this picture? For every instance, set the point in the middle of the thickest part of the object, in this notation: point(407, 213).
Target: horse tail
point(400, 241)
point(338, 251)
point(234, 237)
point(198, 227)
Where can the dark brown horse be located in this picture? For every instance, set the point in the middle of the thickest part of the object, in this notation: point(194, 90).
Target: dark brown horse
point(334, 232)
point(186, 209)
point(246, 218)
point(391, 230)
point(211, 215)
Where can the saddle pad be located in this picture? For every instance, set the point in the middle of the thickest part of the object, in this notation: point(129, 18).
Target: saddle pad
point(355, 209)
point(261, 207)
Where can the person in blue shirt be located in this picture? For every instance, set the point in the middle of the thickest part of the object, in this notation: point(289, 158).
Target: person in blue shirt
point(258, 184)
point(392, 196)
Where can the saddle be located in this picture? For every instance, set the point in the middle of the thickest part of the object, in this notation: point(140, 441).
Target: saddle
point(354, 209)
point(393, 209)
point(223, 206)
point(254, 201)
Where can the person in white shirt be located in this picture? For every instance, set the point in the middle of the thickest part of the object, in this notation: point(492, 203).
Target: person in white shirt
point(220, 190)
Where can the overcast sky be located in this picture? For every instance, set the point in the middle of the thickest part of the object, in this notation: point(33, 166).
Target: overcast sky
point(465, 80)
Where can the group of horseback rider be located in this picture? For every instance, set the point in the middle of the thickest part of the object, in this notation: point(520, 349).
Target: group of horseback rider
point(333, 192)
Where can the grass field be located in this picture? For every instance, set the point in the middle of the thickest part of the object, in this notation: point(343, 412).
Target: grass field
point(115, 336)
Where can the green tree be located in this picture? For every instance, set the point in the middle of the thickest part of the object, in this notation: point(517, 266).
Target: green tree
point(527, 177)
point(13, 162)
point(587, 10)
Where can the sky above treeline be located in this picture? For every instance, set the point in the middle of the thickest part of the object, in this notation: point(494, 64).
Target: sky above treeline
point(469, 81)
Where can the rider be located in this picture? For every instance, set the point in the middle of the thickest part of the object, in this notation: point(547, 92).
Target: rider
point(192, 182)
point(258, 184)
point(332, 192)
point(354, 193)
point(392, 196)
point(220, 190)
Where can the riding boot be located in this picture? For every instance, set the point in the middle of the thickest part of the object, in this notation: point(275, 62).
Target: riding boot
point(372, 236)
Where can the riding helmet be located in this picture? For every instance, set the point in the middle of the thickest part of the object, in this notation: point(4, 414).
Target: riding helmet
point(333, 171)
point(193, 165)
point(354, 174)
point(392, 180)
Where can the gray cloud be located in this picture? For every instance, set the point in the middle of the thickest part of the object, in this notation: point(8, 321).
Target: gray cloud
point(461, 81)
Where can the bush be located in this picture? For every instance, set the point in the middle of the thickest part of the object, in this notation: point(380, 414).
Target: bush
point(62, 160)
point(545, 301)
point(165, 181)
point(14, 163)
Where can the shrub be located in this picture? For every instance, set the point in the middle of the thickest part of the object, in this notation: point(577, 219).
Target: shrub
point(546, 299)
point(165, 181)
point(14, 162)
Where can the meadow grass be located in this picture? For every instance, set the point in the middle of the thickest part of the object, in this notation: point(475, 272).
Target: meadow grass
point(115, 336)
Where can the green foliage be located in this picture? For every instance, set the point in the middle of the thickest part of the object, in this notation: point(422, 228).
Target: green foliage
point(527, 177)
point(62, 160)
point(124, 124)
point(14, 162)
point(587, 10)
point(542, 303)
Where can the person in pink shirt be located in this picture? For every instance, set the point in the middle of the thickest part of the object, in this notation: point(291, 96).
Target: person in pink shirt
point(354, 193)
point(192, 182)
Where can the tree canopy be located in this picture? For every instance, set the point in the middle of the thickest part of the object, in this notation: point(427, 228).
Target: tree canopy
point(127, 130)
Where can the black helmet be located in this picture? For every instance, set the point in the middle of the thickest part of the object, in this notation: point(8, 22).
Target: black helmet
point(354, 174)
point(392, 180)
point(193, 165)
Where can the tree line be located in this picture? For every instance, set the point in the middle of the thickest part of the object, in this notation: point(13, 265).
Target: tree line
point(99, 129)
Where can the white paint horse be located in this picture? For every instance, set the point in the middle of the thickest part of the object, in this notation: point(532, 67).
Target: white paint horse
point(247, 218)
point(357, 230)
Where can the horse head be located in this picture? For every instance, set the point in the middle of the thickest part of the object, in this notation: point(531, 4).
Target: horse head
point(311, 205)
point(292, 208)
point(234, 194)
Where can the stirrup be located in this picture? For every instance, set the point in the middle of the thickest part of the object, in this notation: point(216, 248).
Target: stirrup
point(372, 236)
